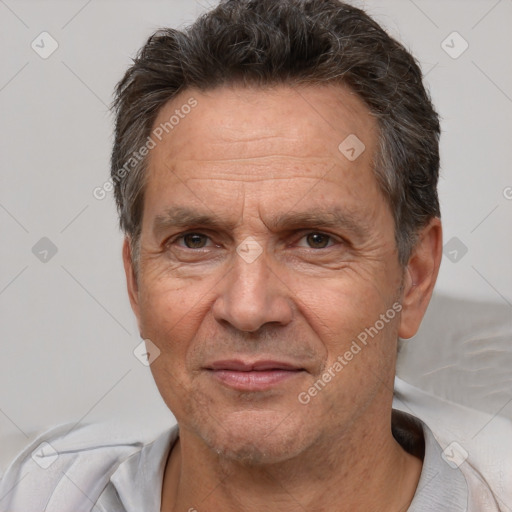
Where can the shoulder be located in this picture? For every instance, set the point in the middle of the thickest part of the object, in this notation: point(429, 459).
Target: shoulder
point(480, 494)
point(76, 461)
point(463, 442)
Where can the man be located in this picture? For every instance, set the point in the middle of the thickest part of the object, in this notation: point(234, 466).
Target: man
point(275, 169)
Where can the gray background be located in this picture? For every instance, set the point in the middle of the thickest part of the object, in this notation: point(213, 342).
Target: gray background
point(67, 329)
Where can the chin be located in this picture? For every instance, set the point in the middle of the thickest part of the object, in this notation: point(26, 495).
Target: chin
point(256, 438)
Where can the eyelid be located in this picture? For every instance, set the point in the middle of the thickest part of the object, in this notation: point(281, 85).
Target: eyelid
point(334, 239)
point(181, 236)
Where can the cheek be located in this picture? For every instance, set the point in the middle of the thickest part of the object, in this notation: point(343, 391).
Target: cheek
point(170, 313)
point(345, 306)
point(170, 316)
point(356, 322)
point(360, 350)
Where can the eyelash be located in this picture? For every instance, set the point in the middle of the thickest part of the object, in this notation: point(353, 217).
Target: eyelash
point(181, 236)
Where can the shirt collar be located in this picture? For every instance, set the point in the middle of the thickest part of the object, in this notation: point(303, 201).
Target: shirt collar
point(441, 486)
point(138, 479)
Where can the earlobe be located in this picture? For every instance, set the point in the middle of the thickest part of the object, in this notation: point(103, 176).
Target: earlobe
point(420, 277)
point(131, 278)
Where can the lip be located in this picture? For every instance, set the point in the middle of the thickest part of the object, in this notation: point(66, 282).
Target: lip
point(253, 376)
point(247, 366)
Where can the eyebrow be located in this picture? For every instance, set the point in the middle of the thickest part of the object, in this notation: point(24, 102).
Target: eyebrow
point(336, 218)
point(182, 217)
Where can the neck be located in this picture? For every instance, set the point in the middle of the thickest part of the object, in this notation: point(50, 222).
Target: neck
point(362, 469)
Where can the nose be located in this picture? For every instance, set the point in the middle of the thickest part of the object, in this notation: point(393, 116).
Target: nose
point(251, 295)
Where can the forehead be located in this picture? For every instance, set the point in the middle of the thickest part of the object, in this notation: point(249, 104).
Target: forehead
point(231, 127)
point(270, 149)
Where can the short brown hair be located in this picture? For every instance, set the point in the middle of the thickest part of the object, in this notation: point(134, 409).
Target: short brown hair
point(293, 42)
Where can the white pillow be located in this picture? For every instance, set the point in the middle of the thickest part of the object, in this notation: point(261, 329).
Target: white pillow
point(463, 353)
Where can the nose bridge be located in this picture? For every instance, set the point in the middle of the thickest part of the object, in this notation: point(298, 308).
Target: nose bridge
point(250, 273)
point(252, 294)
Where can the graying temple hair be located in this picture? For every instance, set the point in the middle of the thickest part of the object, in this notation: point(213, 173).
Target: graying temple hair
point(295, 42)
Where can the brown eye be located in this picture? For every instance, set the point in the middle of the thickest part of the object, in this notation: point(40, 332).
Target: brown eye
point(194, 240)
point(318, 240)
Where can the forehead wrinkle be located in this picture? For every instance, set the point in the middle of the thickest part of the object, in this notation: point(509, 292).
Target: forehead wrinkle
point(245, 179)
point(189, 170)
point(238, 137)
point(243, 204)
point(310, 159)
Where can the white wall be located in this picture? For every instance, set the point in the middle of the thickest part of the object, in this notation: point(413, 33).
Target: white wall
point(67, 329)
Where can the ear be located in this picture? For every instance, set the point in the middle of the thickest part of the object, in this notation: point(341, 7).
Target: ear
point(131, 278)
point(420, 277)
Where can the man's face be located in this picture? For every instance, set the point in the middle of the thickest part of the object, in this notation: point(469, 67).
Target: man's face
point(247, 327)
